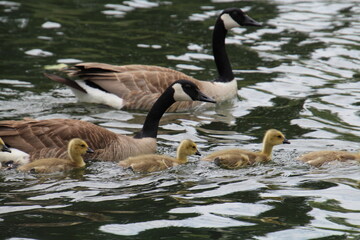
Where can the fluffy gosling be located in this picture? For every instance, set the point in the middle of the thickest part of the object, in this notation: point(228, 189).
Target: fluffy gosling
point(319, 158)
point(237, 158)
point(154, 162)
point(76, 148)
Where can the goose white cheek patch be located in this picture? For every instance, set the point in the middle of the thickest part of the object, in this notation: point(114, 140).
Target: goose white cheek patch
point(179, 94)
point(229, 21)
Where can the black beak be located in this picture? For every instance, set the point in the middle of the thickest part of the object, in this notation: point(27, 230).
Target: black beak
point(203, 98)
point(250, 22)
point(286, 141)
point(89, 150)
point(5, 149)
point(198, 153)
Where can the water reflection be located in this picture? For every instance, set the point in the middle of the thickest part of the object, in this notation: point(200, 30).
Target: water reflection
point(299, 73)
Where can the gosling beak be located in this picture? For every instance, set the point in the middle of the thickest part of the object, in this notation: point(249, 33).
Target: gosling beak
point(286, 141)
point(203, 98)
point(5, 149)
point(89, 150)
point(250, 22)
point(198, 153)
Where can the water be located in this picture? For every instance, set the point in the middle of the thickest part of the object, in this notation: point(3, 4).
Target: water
point(299, 73)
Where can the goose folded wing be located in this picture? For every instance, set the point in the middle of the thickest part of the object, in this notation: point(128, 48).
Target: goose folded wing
point(121, 80)
point(49, 138)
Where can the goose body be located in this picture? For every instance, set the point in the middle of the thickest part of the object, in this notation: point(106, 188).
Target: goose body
point(48, 138)
point(138, 86)
point(156, 162)
point(15, 157)
point(237, 158)
point(318, 158)
point(76, 148)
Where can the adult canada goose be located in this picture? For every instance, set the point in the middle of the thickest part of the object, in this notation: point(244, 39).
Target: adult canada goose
point(47, 138)
point(156, 162)
point(236, 158)
point(138, 86)
point(76, 148)
point(318, 158)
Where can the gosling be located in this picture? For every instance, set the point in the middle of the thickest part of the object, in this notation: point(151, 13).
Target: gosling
point(319, 158)
point(76, 148)
point(154, 162)
point(237, 158)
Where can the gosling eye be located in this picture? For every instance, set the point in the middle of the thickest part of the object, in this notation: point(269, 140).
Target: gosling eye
point(279, 136)
point(82, 145)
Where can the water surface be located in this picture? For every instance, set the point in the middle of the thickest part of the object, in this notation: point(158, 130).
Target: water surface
point(299, 73)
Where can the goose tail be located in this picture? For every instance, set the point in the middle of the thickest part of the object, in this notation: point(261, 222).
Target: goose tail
point(65, 81)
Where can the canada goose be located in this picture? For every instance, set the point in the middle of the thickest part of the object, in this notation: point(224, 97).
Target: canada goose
point(318, 158)
point(129, 86)
point(155, 162)
point(236, 158)
point(76, 148)
point(47, 138)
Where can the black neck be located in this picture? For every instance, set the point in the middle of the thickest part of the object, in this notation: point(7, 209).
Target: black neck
point(221, 59)
point(151, 124)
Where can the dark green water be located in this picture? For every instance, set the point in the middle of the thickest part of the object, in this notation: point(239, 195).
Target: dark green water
point(299, 73)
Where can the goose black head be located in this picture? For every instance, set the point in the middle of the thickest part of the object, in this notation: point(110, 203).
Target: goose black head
point(185, 90)
point(235, 17)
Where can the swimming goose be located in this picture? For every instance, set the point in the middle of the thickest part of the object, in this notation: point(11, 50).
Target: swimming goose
point(237, 158)
point(76, 148)
point(155, 162)
point(319, 158)
point(129, 86)
point(47, 138)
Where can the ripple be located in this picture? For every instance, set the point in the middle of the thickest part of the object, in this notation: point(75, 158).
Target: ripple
point(203, 221)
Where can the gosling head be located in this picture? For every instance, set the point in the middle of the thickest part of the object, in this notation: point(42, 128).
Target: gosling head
point(275, 137)
point(80, 146)
point(234, 17)
point(185, 90)
point(188, 147)
point(3, 147)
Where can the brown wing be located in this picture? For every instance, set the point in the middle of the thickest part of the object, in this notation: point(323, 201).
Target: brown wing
point(49, 138)
point(139, 85)
point(121, 80)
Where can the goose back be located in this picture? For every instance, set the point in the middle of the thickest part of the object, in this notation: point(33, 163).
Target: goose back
point(49, 139)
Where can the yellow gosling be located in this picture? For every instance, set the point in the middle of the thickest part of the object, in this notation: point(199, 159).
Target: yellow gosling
point(318, 158)
point(237, 158)
point(155, 162)
point(76, 148)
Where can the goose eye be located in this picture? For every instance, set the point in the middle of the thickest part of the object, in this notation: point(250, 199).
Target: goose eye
point(82, 145)
point(279, 136)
